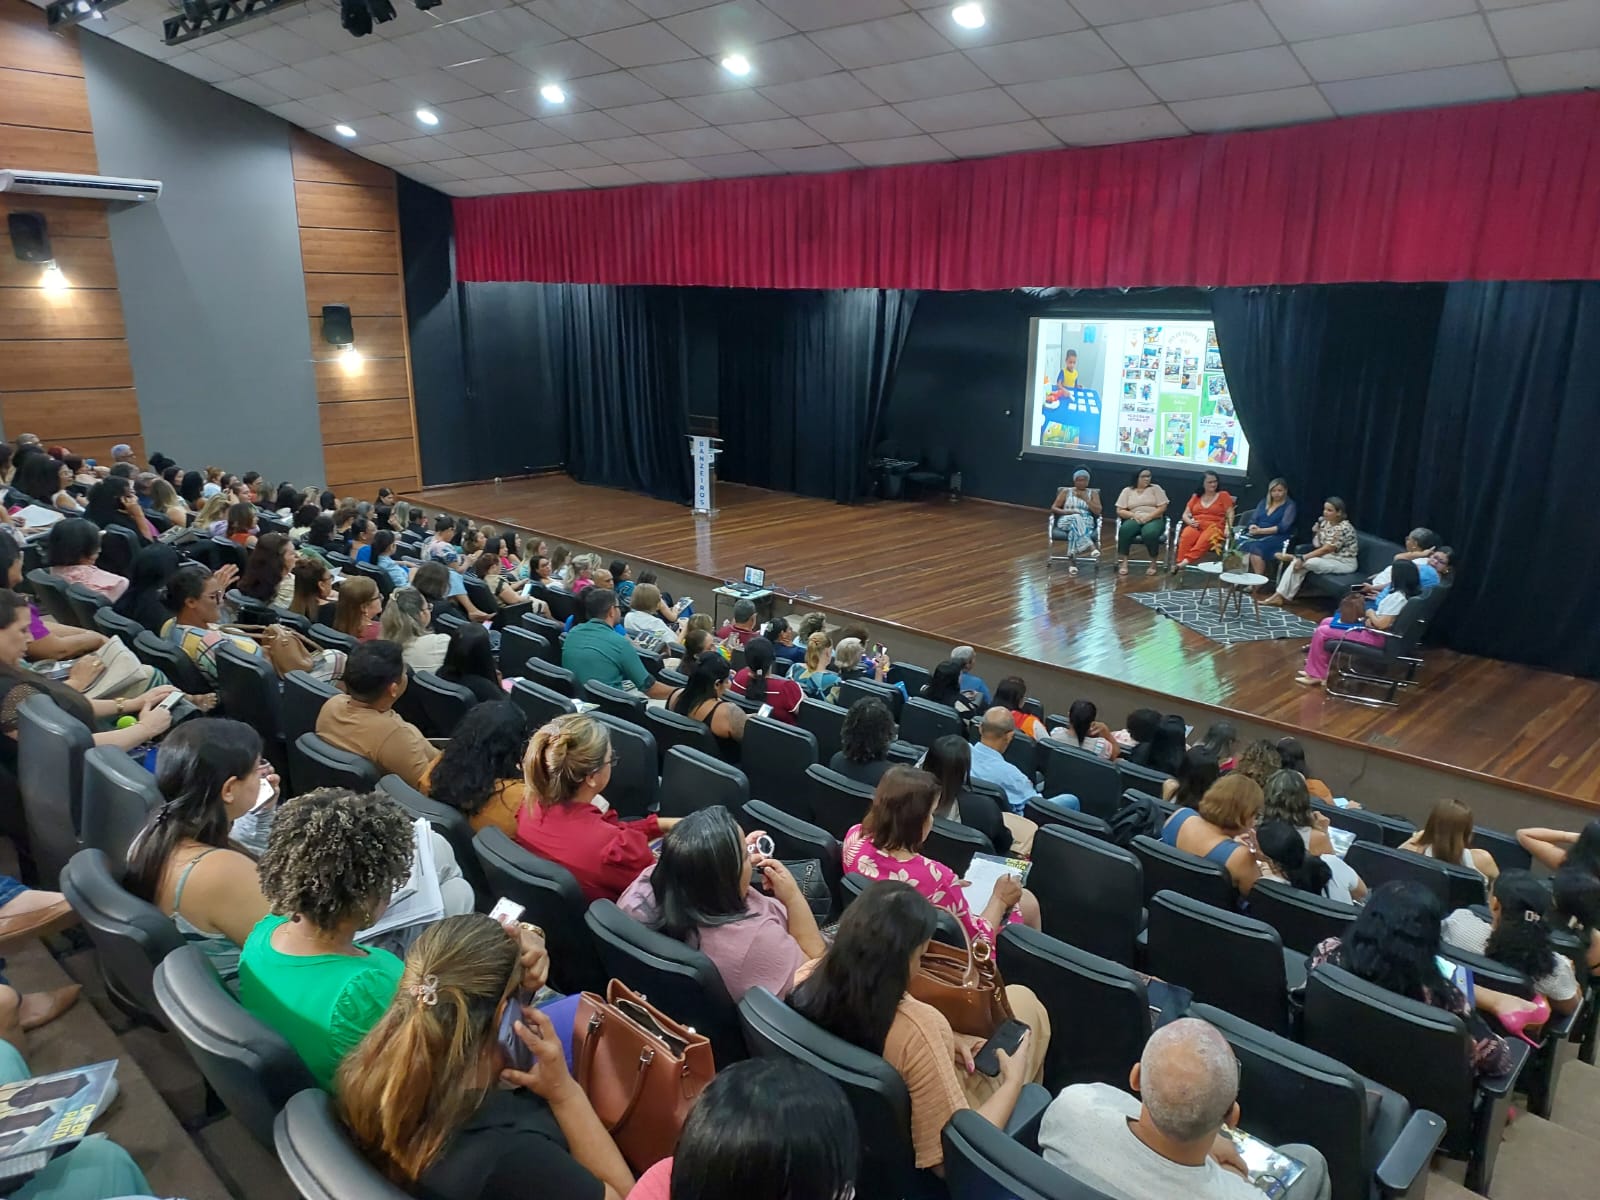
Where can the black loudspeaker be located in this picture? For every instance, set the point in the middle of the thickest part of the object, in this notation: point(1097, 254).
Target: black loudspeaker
point(336, 328)
point(29, 239)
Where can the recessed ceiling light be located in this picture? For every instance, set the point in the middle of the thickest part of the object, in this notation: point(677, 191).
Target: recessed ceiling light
point(427, 117)
point(736, 64)
point(344, 131)
point(553, 94)
point(968, 16)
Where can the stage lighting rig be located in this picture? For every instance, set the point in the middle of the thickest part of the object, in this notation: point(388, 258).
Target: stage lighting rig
point(196, 18)
point(58, 14)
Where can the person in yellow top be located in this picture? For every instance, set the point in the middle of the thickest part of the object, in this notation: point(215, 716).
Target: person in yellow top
point(1067, 377)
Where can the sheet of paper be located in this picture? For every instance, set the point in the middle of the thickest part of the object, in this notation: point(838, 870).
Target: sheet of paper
point(36, 517)
point(983, 873)
point(417, 900)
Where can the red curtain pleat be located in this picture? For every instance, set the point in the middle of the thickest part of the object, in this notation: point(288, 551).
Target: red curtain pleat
point(1506, 190)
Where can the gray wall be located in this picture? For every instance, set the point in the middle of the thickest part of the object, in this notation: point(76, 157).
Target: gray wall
point(212, 289)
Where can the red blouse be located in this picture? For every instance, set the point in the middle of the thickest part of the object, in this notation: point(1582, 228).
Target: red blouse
point(783, 694)
point(604, 853)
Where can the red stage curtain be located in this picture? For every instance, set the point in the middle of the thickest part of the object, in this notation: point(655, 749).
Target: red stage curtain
point(1507, 190)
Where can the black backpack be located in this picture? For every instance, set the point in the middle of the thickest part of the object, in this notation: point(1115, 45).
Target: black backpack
point(1133, 818)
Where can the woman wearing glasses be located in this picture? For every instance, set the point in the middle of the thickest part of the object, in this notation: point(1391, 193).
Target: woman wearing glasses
point(567, 820)
point(194, 598)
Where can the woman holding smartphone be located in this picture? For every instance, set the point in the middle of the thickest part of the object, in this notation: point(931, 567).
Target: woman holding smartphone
point(756, 682)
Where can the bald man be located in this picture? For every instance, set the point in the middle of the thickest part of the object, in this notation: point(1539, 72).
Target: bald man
point(989, 762)
point(1171, 1145)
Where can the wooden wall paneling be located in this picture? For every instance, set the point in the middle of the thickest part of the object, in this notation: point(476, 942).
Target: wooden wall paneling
point(367, 295)
point(85, 261)
point(362, 420)
point(63, 416)
point(28, 313)
point(48, 150)
point(98, 446)
point(370, 487)
point(363, 462)
point(376, 379)
point(349, 251)
point(26, 44)
point(376, 337)
point(67, 364)
point(319, 161)
point(43, 101)
point(345, 206)
point(66, 217)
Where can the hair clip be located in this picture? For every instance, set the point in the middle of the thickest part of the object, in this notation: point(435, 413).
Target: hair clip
point(1530, 915)
point(426, 992)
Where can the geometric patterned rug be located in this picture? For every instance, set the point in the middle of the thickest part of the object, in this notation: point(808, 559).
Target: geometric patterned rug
point(1196, 609)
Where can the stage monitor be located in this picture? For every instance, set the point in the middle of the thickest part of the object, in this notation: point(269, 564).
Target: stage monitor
point(1143, 390)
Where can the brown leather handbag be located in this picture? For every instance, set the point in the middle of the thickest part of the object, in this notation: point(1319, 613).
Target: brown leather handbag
point(286, 649)
point(964, 985)
point(641, 1070)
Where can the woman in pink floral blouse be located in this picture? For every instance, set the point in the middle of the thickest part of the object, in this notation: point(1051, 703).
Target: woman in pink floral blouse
point(888, 845)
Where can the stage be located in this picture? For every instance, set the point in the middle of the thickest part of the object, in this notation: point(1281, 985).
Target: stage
point(974, 572)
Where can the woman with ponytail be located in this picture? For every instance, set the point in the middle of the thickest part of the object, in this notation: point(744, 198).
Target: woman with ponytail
point(756, 682)
point(1286, 859)
point(421, 1093)
point(1517, 936)
point(182, 861)
point(567, 820)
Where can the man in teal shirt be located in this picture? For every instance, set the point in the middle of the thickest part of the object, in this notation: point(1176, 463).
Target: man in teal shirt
point(593, 650)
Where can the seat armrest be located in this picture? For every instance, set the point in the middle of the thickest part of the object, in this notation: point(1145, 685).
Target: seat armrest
point(1028, 1113)
point(1560, 1026)
point(1497, 1087)
point(1404, 1169)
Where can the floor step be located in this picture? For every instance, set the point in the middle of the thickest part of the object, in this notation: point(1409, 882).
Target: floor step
point(1577, 1099)
point(1541, 1158)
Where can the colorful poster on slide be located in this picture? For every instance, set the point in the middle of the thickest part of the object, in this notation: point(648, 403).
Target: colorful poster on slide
point(1134, 388)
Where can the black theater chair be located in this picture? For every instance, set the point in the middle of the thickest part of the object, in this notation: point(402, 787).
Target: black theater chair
point(795, 840)
point(774, 758)
point(113, 624)
point(1022, 752)
point(539, 703)
point(634, 779)
point(692, 780)
point(302, 700)
point(1232, 961)
point(826, 723)
point(922, 722)
point(117, 548)
point(318, 1156)
point(1455, 885)
point(1507, 852)
point(118, 797)
point(50, 751)
point(445, 703)
point(674, 729)
point(250, 692)
point(130, 936)
point(317, 764)
point(51, 592)
point(1042, 812)
point(1146, 779)
point(1090, 892)
point(378, 575)
point(84, 603)
point(1302, 920)
point(623, 703)
point(551, 675)
point(946, 928)
point(449, 823)
point(982, 1162)
point(550, 630)
point(954, 844)
point(836, 803)
point(552, 900)
point(178, 667)
point(1166, 868)
point(330, 638)
point(1093, 780)
point(1368, 826)
point(852, 690)
point(517, 645)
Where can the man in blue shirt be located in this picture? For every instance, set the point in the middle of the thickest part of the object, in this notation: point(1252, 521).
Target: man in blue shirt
point(989, 762)
point(966, 656)
point(1432, 559)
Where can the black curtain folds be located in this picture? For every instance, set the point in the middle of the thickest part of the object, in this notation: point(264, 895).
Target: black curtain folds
point(1469, 408)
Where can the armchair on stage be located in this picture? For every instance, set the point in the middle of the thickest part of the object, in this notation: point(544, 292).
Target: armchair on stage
point(1054, 538)
point(1390, 665)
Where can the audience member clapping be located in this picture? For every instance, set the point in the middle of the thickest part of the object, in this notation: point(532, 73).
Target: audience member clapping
point(194, 598)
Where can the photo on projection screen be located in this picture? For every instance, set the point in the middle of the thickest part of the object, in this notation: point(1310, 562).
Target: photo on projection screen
point(1137, 389)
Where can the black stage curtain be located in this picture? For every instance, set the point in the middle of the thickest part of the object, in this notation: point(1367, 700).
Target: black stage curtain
point(1467, 408)
point(804, 379)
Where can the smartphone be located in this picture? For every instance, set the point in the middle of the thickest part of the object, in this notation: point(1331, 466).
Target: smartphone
point(171, 701)
point(506, 911)
point(1459, 974)
point(518, 1056)
point(264, 795)
point(1340, 802)
point(1008, 1037)
point(764, 711)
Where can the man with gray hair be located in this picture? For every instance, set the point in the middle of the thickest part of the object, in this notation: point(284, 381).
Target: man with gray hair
point(743, 626)
point(1421, 543)
point(1171, 1145)
point(966, 656)
point(996, 732)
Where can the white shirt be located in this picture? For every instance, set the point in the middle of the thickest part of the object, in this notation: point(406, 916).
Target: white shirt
point(1468, 931)
point(427, 652)
point(639, 622)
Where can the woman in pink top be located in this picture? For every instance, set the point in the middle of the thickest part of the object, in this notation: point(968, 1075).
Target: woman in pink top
point(888, 845)
point(756, 682)
point(72, 546)
point(699, 893)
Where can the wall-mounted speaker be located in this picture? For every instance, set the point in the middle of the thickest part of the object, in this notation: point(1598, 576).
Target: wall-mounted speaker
point(29, 238)
point(336, 327)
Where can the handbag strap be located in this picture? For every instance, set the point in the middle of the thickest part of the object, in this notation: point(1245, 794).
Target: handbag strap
point(591, 1042)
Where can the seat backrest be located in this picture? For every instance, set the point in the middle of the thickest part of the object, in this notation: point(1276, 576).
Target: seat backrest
point(550, 630)
point(954, 844)
point(1146, 779)
point(301, 702)
point(51, 592)
point(377, 574)
point(1288, 1093)
point(1422, 1052)
point(1042, 812)
point(552, 900)
point(154, 650)
point(1455, 885)
point(445, 703)
point(1302, 920)
point(563, 605)
point(1365, 825)
point(674, 729)
point(774, 759)
point(517, 645)
point(319, 1157)
point(797, 840)
point(692, 780)
point(1166, 868)
point(984, 1162)
point(449, 823)
point(317, 764)
point(1092, 779)
point(1232, 961)
point(680, 981)
point(837, 803)
point(551, 675)
point(852, 690)
point(1090, 891)
point(619, 702)
point(50, 749)
point(922, 722)
point(876, 1092)
point(84, 602)
point(1507, 852)
point(113, 624)
point(1069, 980)
point(634, 779)
point(250, 691)
point(246, 1062)
point(117, 548)
point(914, 677)
point(825, 721)
point(1022, 752)
point(539, 703)
point(118, 797)
point(130, 935)
point(330, 638)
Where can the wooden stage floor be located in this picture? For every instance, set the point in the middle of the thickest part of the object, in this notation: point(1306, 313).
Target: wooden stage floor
point(974, 572)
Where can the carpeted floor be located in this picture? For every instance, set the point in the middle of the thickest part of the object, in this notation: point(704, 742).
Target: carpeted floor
point(1196, 609)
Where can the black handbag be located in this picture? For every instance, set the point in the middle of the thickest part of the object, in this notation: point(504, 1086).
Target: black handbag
point(807, 873)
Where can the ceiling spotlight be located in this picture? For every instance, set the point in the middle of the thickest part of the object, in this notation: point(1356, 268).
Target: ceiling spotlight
point(553, 94)
point(969, 16)
point(344, 131)
point(736, 64)
point(427, 117)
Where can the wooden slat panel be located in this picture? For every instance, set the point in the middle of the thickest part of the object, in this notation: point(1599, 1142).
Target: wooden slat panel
point(62, 416)
point(404, 483)
point(364, 420)
point(351, 251)
point(25, 43)
point(367, 295)
point(366, 461)
point(340, 206)
point(27, 313)
point(64, 216)
point(45, 365)
point(376, 337)
point(45, 101)
point(47, 150)
point(320, 161)
point(378, 379)
point(86, 262)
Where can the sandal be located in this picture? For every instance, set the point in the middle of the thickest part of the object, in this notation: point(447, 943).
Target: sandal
point(1122, 568)
point(1273, 601)
point(1072, 571)
point(1152, 572)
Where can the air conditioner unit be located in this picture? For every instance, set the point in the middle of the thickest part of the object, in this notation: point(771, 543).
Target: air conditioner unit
point(91, 187)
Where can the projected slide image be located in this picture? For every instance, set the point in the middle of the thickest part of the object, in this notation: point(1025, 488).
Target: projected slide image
point(1132, 388)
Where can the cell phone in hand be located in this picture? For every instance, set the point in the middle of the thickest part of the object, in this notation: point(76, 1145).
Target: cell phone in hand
point(518, 1056)
point(171, 701)
point(264, 796)
point(764, 711)
point(1008, 1037)
point(506, 911)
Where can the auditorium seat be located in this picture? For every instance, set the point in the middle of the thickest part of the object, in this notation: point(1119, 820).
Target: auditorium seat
point(1041, 811)
point(539, 703)
point(130, 935)
point(1146, 779)
point(623, 703)
point(631, 791)
point(114, 624)
point(552, 900)
point(837, 803)
point(1368, 826)
point(795, 840)
point(84, 602)
point(774, 757)
point(1022, 752)
point(1090, 891)
point(826, 723)
point(50, 750)
point(852, 690)
point(692, 780)
point(1232, 961)
point(118, 797)
point(250, 692)
point(51, 593)
point(445, 703)
point(330, 638)
point(317, 764)
point(317, 1154)
point(922, 721)
point(674, 729)
point(550, 630)
point(177, 666)
point(449, 823)
point(1455, 885)
point(1168, 868)
point(551, 675)
point(517, 645)
point(954, 844)
point(982, 1162)
point(1070, 771)
point(1303, 921)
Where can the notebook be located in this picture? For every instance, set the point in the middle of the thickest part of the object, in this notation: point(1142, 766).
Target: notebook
point(42, 1116)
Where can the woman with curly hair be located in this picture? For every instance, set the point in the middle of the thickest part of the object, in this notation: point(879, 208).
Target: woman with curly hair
point(480, 771)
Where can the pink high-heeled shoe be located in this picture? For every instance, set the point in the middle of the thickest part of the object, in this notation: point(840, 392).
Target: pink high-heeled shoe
point(1515, 1023)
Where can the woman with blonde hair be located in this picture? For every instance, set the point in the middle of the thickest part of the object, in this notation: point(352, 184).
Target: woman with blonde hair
point(356, 612)
point(1447, 836)
point(1219, 830)
point(213, 510)
point(405, 623)
point(817, 679)
point(420, 1094)
point(567, 820)
point(164, 500)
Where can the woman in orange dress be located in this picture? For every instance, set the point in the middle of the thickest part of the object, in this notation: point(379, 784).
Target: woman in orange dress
point(1205, 521)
